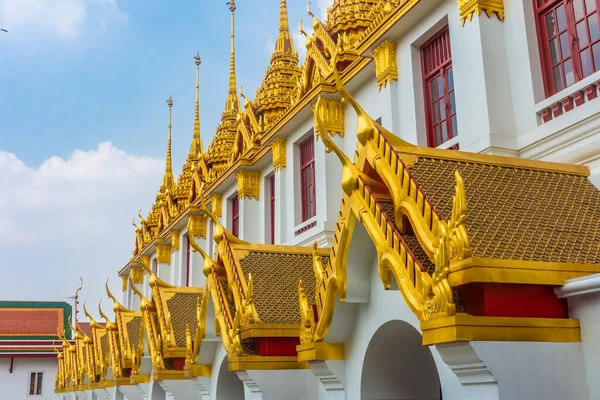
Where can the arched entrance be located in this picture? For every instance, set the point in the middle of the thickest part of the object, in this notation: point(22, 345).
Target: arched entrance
point(229, 386)
point(397, 366)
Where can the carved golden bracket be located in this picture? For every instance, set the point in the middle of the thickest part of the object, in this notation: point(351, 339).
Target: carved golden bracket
point(163, 254)
point(197, 226)
point(175, 242)
point(137, 274)
point(124, 282)
point(248, 184)
point(278, 147)
point(386, 67)
point(331, 115)
point(467, 8)
point(217, 204)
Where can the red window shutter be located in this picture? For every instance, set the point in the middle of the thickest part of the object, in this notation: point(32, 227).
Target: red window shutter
point(272, 207)
point(438, 88)
point(307, 178)
point(569, 41)
point(235, 216)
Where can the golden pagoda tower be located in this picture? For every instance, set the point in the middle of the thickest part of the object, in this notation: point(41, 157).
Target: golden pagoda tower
point(219, 151)
point(273, 97)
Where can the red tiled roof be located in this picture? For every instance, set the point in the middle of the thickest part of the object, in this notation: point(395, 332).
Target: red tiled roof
point(31, 321)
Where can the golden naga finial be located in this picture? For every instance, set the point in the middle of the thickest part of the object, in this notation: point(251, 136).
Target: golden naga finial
point(87, 314)
point(144, 301)
point(117, 304)
point(104, 316)
point(208, 262)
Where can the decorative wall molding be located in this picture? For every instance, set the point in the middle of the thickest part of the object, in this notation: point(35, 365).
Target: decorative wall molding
point(197, 226)
point(124, 282)
point(579, 286)
point(248, 183)
point(137, 275)
point(278, 148)
point(467, 8)
point(175, 242)
point(331, 115)
point(386, 67)
point(163, 254)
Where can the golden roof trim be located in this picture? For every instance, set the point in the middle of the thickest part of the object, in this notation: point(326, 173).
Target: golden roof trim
point(488, 159)
point(464, 327)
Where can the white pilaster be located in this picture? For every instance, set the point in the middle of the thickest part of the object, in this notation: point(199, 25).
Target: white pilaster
point(251, 389)
point(331, 374)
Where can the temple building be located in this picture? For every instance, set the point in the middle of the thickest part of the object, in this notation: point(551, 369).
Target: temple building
point(410, 212)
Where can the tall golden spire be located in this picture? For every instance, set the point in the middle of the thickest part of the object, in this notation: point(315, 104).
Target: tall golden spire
point(285, 43)
point(196, 147)
point(232, 100)
point(168, 179)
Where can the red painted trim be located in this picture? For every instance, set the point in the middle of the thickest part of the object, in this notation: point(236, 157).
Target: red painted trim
point(436, 62)
point(557, 109)
point(269, 347)
point(307, 169)
point(568, 103)
point(591, 92)
point(579, 98)
point(26, 355)
point(512, 300)
point(272, 207)
point(235, 216)
point(571, 34)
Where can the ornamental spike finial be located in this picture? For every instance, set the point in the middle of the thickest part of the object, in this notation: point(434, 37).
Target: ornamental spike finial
point(168, 179)
point(232, 77)
point(196, 147)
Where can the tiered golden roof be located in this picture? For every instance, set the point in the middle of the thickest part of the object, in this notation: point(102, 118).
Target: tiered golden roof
point(273, 96)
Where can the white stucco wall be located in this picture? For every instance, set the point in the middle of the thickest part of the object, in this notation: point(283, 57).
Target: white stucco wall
point(16, 385)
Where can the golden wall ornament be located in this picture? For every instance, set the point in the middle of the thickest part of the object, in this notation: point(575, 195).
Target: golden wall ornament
point(163, 254)
point(386, 67)
point(331, 116)
point(248, 184)
point(278, 148)
point(175, 242)
point(197, 226)
point(124, 282)
point(137, 275)
point(467, 8)
point(216, 202)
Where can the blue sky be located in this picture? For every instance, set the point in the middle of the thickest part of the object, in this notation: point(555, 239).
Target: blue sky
point(110, 77)
point(83, 122)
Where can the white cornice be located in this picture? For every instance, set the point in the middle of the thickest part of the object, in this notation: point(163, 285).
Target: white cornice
point(579, 286)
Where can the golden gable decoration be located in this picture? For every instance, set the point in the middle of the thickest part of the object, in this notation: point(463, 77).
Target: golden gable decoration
point(467, 8)
point(331, 114)
point(248, 184)
point(163, 254)
point(386, 67)
point(278, 148)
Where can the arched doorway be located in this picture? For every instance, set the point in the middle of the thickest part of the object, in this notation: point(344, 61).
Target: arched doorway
point(397, 366)
point(229, 386)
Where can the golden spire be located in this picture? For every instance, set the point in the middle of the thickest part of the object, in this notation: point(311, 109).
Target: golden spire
point(168, 179)
point(196, 147)
point(284, 25)
point(232, 98)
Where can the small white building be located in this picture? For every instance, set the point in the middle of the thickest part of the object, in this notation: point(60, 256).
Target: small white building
point(28, 332)
point(408, 214)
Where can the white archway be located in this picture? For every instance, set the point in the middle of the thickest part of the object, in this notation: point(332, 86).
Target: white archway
point(229, 386)
point(397, 366)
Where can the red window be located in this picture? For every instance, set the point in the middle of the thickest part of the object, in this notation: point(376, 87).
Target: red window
point(569, 38)
point(307, 178)
point(235, 216)
point(272, 206)
point(438, 86)
point(187, 260)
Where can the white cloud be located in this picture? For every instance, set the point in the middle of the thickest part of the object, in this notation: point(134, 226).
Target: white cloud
point(58, 18)
point(69, 218)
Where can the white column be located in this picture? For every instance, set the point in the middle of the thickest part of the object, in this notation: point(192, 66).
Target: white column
point(249, 221)
point(281, 209)
point(482, 86)
point(328, 178)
